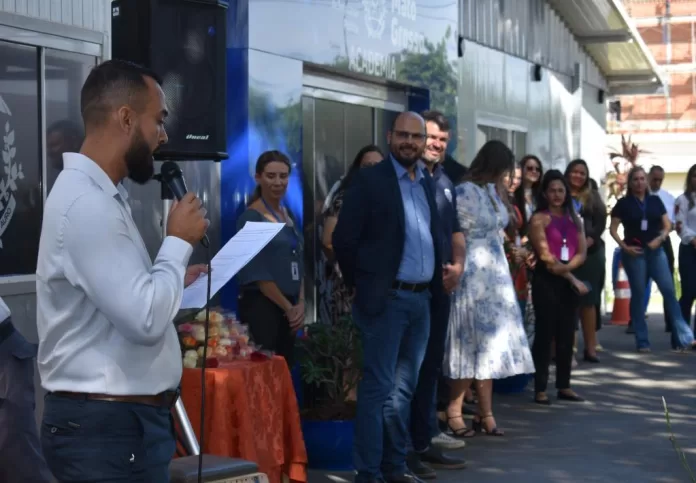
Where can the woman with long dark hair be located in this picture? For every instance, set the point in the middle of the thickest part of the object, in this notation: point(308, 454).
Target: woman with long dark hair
point(486, 338)
point(271, 300)
point(646, 226)
point(528, 191)
point(589, 206)
point(336, 300)
point(559, 242)
point(686, 223)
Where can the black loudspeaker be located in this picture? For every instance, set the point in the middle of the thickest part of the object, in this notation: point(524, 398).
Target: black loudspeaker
point(184, 42)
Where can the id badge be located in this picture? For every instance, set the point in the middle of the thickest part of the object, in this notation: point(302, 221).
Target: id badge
point(518, 241)
point(565, 256)
point(644, 225)
point(295, 268)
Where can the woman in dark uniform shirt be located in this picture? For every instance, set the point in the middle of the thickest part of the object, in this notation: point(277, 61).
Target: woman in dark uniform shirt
point(646, 226)
point(271, 300)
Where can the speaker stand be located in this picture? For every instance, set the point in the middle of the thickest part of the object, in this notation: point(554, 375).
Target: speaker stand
point(215, 468)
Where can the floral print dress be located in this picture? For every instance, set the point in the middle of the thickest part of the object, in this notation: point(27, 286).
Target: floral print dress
point(486, 338)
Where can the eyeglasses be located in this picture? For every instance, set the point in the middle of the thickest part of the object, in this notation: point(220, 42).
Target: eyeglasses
point(406, 136)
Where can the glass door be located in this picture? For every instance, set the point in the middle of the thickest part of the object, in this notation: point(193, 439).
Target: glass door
point(333, 132)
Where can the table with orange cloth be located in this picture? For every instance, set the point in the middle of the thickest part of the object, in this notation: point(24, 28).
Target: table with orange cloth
point(250, 413)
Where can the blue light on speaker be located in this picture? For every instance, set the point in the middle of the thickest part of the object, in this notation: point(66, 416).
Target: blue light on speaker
point(211, 31)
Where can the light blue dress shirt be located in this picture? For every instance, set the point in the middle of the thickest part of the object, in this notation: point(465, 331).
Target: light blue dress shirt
point(418, 260)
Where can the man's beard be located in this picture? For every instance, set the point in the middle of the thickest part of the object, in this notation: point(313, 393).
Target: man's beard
point(139, 160)
point(406, 162)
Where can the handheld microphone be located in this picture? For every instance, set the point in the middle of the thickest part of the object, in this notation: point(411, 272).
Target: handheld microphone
point(171, 175)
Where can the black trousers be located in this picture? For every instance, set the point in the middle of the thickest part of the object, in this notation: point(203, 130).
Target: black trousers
point(268, 326)
point(555, 309)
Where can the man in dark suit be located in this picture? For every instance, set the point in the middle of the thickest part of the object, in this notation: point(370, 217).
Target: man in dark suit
point(387, 243)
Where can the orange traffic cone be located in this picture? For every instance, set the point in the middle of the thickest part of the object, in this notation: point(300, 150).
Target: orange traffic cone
point(622, 300)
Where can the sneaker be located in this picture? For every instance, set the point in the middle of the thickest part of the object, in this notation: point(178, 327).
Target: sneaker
point(445, 441)
point(599, 348)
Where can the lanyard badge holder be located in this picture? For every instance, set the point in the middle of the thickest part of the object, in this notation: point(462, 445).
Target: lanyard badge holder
point(644, 219)
point(565, 253)
point(294, 265)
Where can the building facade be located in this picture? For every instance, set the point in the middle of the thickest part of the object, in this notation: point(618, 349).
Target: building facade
point(317, 80)
point(664, 124)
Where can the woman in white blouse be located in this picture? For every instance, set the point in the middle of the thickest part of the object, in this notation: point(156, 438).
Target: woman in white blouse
point(686, 227)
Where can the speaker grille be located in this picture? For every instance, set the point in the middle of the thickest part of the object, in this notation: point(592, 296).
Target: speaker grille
point(184, 43)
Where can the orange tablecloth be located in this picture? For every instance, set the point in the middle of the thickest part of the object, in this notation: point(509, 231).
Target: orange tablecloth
point(250, 413)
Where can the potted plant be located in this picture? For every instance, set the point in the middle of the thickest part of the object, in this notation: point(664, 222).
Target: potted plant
point(330, 361)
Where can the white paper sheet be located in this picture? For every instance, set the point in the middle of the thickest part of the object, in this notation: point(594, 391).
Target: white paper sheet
point(236, 253)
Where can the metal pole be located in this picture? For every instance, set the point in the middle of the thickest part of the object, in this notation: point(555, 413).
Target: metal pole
point(188, 436)
point(189, 439)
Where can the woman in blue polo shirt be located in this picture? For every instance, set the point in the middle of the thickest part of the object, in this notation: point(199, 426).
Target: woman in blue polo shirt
point(646, 226)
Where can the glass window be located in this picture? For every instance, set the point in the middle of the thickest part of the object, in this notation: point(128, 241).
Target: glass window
point(65, 74)
point(21, 200)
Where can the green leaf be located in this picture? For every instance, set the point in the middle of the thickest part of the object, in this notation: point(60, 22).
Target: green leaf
point(11, 137)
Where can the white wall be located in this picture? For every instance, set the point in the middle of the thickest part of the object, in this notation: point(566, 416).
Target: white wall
point(87, 14)
point(497, 88)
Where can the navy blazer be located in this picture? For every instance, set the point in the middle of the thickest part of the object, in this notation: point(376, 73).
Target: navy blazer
point(369, 238)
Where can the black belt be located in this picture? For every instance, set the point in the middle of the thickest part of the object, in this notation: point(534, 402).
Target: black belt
point(411, 287)
point(165, 399)
point(6, 330)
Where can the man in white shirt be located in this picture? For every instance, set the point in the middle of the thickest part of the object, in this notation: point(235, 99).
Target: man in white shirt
point(108, 354)
point(21, 459)
point(655, 177)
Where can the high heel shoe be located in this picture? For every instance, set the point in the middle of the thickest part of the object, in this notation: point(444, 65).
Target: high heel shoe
point(478, 427)
point(588, 358)
point(460, 433)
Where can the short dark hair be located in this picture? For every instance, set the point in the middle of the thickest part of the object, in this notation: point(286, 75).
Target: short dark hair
point(656, 167)
point(114, 82)
point(438, 118)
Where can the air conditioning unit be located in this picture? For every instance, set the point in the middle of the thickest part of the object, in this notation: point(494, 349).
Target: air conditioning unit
point(216, 469)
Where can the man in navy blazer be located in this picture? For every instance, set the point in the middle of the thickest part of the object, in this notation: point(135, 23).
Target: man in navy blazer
point(387, 244)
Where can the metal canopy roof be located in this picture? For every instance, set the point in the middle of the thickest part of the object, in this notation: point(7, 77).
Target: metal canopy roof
point(607, 32)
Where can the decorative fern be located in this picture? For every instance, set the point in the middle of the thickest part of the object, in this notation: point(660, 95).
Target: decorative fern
point(622, 160)
point(682, 456)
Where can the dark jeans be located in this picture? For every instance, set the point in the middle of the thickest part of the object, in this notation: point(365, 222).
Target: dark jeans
point(394, 344)
point(653, 264)
point(423, 408)
point(687, 273)
point(268, 325)
point(21, 460)
point(104, 442)
point(555, 309)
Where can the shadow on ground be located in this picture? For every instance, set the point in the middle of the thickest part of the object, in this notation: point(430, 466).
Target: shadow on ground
point(619, 435)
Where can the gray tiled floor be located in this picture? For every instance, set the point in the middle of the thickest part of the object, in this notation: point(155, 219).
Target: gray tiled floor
point(620, 435)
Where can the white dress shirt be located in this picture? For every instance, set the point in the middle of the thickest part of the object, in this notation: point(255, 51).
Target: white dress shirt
point(4, 310)
point(668, 201)
point(687, 217)
point(104, 310)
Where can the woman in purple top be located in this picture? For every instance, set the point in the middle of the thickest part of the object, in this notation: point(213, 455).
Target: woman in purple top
point(559, 242)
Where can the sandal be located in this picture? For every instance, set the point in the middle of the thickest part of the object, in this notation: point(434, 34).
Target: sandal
point(478, 427)
point(461, 433)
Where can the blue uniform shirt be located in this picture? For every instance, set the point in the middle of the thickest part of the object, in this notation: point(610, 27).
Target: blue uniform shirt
point(418, 259)
point(446, 199)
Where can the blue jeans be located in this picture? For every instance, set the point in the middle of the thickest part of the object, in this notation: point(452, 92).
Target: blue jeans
point(687, 273)
point(394, 344)
point(107, 442)
point(424, 406)
point(653, 264)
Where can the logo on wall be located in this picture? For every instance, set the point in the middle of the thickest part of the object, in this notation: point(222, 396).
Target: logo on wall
point(375, 17)
point(13, 171)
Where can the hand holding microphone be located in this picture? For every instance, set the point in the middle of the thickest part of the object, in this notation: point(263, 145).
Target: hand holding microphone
point(187, 219)
point(187, 216)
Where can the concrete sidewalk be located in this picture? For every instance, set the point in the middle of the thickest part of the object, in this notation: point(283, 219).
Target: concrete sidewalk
point(619, 435)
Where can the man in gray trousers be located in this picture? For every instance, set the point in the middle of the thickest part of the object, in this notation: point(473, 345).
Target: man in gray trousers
point(21, 460)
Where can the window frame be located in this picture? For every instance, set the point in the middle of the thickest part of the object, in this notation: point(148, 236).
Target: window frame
point(42, 35)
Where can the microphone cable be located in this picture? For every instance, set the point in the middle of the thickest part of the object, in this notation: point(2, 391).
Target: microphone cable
point(201, 430)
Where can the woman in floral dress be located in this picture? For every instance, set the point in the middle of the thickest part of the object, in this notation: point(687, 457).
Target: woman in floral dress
point(486, 338)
